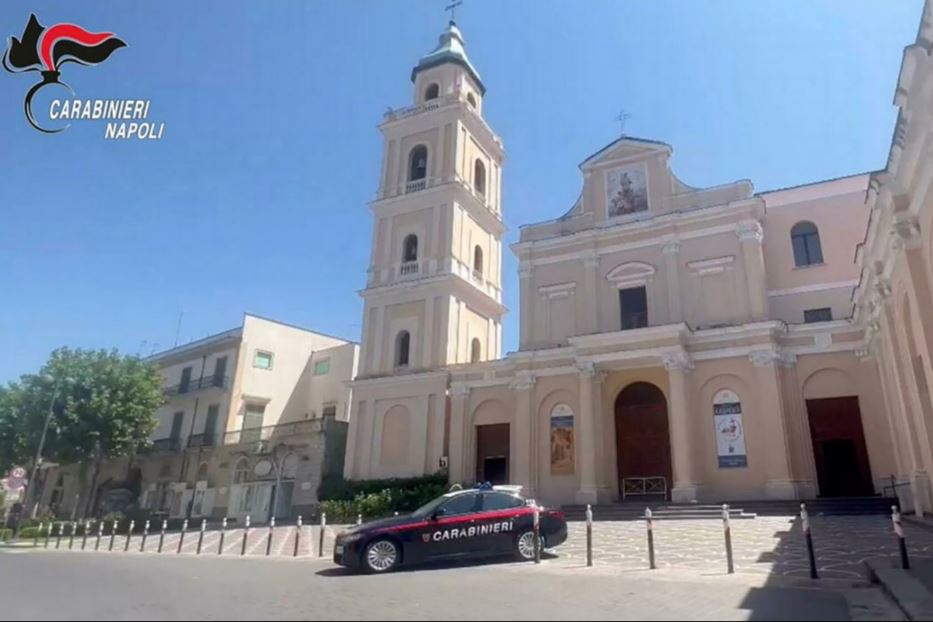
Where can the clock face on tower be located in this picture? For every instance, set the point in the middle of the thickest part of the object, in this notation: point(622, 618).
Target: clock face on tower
point(262, 468)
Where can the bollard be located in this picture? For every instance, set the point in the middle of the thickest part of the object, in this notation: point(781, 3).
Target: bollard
point(58, 540)
point(201, 535)
point(536, 526)
point(129, 536)
point(297, 536)
point(162, 534)
point(223, 533)
point(48, 534)
point(100, 534)
point(901, 541)
point(87, 529)
point(805, 519)
point(320, 548)
point(71, 539)
point(727, 530)
point(113, 534)
point(142, 546)
point(181, 540)
point(589, 535)
point(269, 539)
point(245, 535)
point(649, 523)
point(359, 519)
point(35, 540)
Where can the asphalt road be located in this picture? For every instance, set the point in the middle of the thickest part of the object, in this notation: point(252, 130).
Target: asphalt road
point(89, 586)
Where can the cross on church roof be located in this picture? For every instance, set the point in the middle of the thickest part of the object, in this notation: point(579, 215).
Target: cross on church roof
point(452, 7)
point(622, 118)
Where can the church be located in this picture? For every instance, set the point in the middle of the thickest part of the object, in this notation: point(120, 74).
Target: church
point(692, 344)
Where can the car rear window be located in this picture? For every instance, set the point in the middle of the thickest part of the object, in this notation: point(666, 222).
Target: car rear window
point(500, 501)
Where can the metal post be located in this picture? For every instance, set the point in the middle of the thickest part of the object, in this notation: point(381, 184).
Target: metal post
point(320, 548)
point(649, 523)
point(201, 535)
point(113, 534)
point(359, 519)
point(58, 540)
point(71, 539)
point(35, 540)
point(100, 534)
point(87, 530)
point(805, 519)
point(297, 536)
point(223, 533)
point(901, 541)
point(589, 535)
point(727, 530)
point(269, 540)
point(142, 546)
point(245, 536)
point(181, 540)
point(162, 534)
point(536, 526)
point(48, 534)
point(129, 536)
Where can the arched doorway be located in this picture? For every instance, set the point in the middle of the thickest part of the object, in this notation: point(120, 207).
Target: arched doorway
point(643, 442)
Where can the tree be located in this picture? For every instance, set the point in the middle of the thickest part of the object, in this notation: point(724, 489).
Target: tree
point(103, 405)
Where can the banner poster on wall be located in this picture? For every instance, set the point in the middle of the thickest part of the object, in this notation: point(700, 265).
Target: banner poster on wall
point(562, 441)
point(730, 432)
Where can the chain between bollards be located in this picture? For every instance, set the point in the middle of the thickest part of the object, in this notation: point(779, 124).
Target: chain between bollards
point(245, 536)
point(589, 535)
point(727, 530)
point(223, 533)
point(142, 546)
point(536, 526)
point(901, 541)
point(649, 525)
point(100, 534)
point(297, 536)
point(201, 534)
point(113, 534)
point(162, 534)
point(805, 520)
point(87, 529)
point(320, 548)
point(269, 539)
point(129, 536)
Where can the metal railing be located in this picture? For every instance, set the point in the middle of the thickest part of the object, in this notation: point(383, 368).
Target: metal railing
point(197, 384)
point(172, 443)
point(401, 113)
point(271, 432)
point(891, 489)
point(202, 440)
point(644, 486)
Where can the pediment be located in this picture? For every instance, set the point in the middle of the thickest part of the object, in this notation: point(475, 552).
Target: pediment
point(626, 149)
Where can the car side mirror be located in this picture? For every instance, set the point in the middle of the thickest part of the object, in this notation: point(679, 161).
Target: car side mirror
point(438, 513)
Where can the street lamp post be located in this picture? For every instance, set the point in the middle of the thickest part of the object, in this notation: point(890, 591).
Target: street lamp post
point(38, 460)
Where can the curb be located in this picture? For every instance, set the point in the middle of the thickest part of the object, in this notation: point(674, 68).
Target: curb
point(911, 596)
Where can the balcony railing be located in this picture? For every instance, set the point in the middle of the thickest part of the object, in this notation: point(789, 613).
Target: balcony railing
point(197, 384)
point(408, 267)
point(270, 432)
point(171, 443)
point(202, 440)
point(402, 113)
point(416, 186)
point(634, 320)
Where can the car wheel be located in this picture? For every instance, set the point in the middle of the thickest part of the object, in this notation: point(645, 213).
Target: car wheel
point(381, 556)
point(525, 546)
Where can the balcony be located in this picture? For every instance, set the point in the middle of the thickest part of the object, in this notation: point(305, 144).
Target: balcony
point(416, 186)
point(394, 114)
point(272, 432)
point(201, 440)
point(171, 443)
point(478, 276)
point(408, 268)
point(196, 385)
point(631, 321)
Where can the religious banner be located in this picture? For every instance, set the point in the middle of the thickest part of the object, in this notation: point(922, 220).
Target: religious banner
point(730, 433)
point(562, 453)
point(627, 190)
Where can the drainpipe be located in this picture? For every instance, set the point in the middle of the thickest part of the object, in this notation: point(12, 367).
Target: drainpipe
point(194, 417)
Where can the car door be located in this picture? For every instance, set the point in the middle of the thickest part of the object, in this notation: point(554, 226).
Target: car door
point(499, 519)
point(449, 530)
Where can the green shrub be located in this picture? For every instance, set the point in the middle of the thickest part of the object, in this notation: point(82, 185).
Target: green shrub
point(338, 489)
point(6, 534)
point(379, 498)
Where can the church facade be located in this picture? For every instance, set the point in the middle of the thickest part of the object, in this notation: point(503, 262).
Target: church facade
point(700, 344)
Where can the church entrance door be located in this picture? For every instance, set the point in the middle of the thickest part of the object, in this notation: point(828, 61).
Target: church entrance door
point(643, 442)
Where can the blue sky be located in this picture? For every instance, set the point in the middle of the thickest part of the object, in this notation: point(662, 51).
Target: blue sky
point(255, 198)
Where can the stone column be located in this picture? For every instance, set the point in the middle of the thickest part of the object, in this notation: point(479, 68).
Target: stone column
point(459, 395)
point(803, 468)
point(523, 467)
point(750, 235)
point(590, 320)
point(585, 449)
point(779, 484)
point(671, 249)
point(527, 306)
point(686, 485)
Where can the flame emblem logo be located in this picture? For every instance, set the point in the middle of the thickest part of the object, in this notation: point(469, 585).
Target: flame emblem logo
point(46, 49)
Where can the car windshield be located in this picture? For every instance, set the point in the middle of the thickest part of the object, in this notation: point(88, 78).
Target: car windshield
point(430, 506)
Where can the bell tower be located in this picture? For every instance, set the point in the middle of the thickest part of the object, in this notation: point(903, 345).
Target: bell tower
point(433, 293)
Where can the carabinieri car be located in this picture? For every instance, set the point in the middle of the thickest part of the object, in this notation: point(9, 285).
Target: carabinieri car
point(477, 522)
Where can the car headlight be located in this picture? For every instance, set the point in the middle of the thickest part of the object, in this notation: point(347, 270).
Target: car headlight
point(350, 537)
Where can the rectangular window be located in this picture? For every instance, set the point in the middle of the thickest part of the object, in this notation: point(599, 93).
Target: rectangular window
point(210, 425)
point(185, 380)
point(322, 368)
point(824, 314)
point(177, 420)
point(262, 359)
point(220, 371)
point(634, 305)
point(329, 411)
point(252, 423)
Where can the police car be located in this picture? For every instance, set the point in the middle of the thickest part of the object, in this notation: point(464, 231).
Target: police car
point(480, 522)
